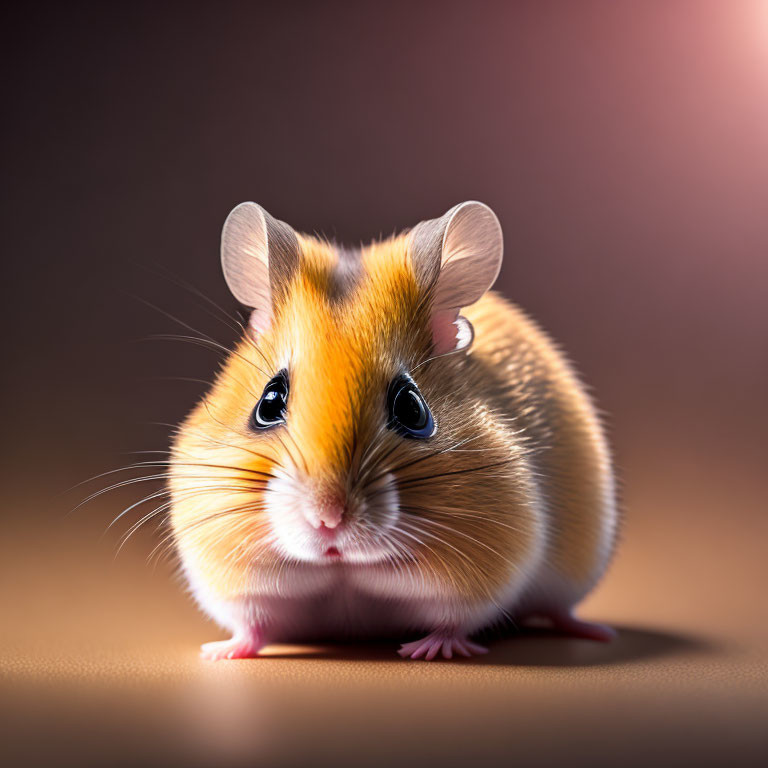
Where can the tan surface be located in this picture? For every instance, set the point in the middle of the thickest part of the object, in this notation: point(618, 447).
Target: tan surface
point(623, 146)
point(99, 660)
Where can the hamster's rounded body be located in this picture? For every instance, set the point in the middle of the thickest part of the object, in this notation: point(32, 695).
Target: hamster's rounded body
point(341, 521)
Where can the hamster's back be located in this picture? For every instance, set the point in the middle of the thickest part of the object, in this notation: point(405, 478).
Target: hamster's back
point(534, 383)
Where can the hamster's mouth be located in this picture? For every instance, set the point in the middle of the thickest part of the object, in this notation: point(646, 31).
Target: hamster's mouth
point(332, 553)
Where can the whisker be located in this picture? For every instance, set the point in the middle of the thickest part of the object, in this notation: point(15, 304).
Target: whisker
point(186, 529)
point(459, 532)
point(165, 273)
point(188, 379)
point(186, 494)
point(175, 319)
point(440, 559)
point(408, 480)
point(293, 440)
point(209, 344)
point(451, 512)
point(172, 463)
point(419, 459)
point(223, 444)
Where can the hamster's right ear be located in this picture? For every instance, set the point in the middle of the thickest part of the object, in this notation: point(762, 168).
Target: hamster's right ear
point(259, 255)
point(457, 259)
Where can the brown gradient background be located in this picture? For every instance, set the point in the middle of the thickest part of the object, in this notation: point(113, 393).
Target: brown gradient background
point(624, 146)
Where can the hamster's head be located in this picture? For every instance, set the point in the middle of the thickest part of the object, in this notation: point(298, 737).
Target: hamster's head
point(348, 426)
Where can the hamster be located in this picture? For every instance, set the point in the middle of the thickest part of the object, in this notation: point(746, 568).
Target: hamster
point(391, 450)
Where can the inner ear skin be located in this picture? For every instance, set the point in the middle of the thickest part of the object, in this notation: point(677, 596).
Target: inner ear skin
point(450, 332)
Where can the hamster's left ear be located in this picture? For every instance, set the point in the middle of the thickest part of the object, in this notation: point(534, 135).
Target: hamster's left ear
point(457, 258)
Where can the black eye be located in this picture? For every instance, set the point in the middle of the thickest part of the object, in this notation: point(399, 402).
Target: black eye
point(408, 413)
point(270, 410)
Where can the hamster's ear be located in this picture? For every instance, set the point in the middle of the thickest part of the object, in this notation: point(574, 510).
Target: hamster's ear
point(259, 255)
point(457, 258)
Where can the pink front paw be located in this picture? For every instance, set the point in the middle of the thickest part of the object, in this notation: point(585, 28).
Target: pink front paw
point(449, 643)
point(237, 647)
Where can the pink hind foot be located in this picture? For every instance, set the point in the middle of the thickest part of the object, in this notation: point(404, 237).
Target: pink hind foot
point(573, 627)
point(237, 647)
point(447, 643)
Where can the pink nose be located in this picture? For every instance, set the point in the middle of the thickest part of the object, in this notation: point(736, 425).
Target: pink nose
point(325, 513)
